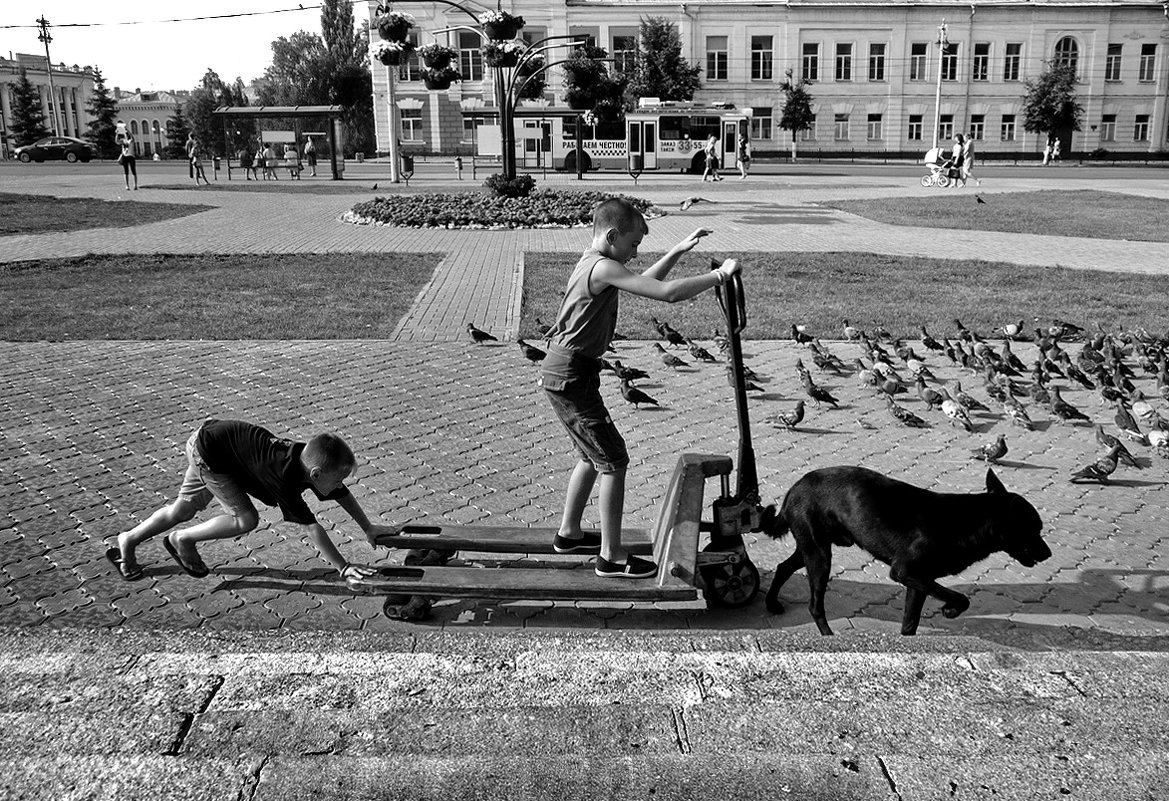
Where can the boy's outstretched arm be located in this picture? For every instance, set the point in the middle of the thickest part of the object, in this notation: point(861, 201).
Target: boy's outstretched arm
point(612, 273)
point(353, 574)
point(661, 268)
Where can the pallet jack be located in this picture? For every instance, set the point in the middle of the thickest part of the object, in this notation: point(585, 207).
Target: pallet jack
point(716, 565)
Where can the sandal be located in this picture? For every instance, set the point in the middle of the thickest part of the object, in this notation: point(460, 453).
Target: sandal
point(634, 567)
point(589, 544)
point(193, 572)
point(114, 557)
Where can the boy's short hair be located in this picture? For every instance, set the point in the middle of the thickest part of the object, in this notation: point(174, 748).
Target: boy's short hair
point(329, 452)
point(618, 213)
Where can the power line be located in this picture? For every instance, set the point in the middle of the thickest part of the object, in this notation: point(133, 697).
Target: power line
point(160, 21)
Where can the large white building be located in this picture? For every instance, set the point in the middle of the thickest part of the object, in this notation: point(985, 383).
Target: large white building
point(874, 65)
point(71, 86)
point(146, 115)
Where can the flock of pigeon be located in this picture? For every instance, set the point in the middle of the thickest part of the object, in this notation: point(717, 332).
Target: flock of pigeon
point(1105, 362)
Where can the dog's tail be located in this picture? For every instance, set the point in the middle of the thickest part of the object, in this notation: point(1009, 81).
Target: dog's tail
point(772, 522)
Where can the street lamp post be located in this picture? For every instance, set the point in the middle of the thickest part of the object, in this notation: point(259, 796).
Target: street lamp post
point(942, 42)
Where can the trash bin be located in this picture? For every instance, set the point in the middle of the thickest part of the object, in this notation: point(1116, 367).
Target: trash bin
point(636, 162)
point(215, 161)
point(407, 164)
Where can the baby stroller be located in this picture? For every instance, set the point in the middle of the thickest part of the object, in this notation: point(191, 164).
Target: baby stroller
point(939, 167)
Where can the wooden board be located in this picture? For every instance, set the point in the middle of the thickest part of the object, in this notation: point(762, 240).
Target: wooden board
point(526, 583)
point(495, 539)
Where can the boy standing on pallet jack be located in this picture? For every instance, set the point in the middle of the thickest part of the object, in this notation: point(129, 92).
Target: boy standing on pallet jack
point(571, 373)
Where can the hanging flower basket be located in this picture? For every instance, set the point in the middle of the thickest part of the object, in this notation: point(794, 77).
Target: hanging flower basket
point(579, 100)
point(394, 26)
point(437, 56)
point(500, 25)
point(534, 87)
point(440, 79)
point(502, 54)
point(391, 54)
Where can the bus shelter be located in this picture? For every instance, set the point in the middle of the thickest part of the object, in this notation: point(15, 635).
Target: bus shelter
point(286, 125)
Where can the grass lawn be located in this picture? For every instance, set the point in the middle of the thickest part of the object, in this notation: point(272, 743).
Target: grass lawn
point(1088, 213)
point(901, 293)
point(37, 214)
point(301, 296)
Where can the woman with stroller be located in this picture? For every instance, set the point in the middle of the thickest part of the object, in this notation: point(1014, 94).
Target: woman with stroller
point(954, 163)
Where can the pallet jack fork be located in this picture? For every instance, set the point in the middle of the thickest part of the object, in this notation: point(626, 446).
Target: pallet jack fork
point(720, 569)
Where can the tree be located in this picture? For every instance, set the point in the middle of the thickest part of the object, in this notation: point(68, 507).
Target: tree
point(210, 94)
point(176, 134)
point(28, 118)
point(350, 81)
point(659, 69)
point(298, 75)
point(797, 107)
point(103, 113)
point(1049, 101)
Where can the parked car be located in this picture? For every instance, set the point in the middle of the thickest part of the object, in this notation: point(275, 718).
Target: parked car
point(56, 147)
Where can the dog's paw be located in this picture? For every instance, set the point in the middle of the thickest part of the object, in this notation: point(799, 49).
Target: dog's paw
point(956, 606)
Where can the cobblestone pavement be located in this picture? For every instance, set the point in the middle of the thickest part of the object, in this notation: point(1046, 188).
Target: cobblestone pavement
point(91, 437)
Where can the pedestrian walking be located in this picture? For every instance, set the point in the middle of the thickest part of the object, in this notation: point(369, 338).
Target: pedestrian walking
point(197, 157)
point(126, 157)
point(955, 168)
point(1055, 150)
point(743, 156)
point(190, 152)
point(968, 160)
point(310, 155)
point(711, 153)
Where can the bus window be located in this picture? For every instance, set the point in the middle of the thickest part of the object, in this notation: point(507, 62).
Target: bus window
point(607, 129)
point(674, 127)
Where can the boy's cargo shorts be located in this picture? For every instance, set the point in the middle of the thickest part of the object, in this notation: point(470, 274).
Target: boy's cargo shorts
point(200, 485)
point(574, 390)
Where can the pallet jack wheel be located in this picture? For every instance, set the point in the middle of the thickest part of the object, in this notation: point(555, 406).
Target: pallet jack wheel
point(730, 586)
point(426, 557)
point(407, 607)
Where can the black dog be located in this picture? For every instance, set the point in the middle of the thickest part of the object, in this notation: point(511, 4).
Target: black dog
point(921, 535)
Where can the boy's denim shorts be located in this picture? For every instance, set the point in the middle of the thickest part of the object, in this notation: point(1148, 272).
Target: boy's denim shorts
point(200, 485)
point(573, 387)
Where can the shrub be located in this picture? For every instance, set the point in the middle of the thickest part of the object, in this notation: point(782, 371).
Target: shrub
point(520, 186)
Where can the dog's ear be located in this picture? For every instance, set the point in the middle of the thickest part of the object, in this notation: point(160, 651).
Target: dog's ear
point(992, 482)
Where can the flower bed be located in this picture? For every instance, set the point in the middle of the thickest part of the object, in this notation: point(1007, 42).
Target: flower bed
point(542, 209)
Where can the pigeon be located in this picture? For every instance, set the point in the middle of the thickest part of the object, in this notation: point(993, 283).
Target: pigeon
point(1160, 442)
point(661, 327)
point(1011, 330)
point(1128, 425)
point(698, 352)
point(542, 327)
point(929, 342)
point(931, 397)
point(952, 409)
point(851, 332)
point(479, 337)
point(720, 341)
point(978, 199)
point(531, 353)
point(635, 395)
point(969, 403)
point(669, 359)
point(1098, 470)
point(864, 374)
point(788, 420)
point(374, 186)
point(964, 334)
point(992, 451)
point(1122, 453)
point(818, 394)
point(1010, 359)
point(1018, 414)
point(628, 373)
point(903, 415)
point(1064, 410)
point(799, 336)
point(690, 201)
point(1039, 393)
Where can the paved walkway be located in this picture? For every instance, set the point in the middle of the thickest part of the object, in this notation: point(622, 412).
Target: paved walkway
point(91, 432)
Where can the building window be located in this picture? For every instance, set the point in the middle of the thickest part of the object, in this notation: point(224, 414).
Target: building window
point(1108, 128)
point(841, 127)
point(915, 128)
point(624, 51)
point(1140, 130)
point(412, 69)
point(811, 61)
point(1148, 60)
point(762, 122)
point(470, 56)
point(1067, 53)
point(809, 134)
point(877, 62)
point(469, 130)
point(1008, 130)
point(716, 58)
point(945, 127)
point(844, 62)
point(978, 127)
point(1011, 59)
point(586, 35)
point(411, 124)
point(917, 51)
point(950, 62)
point(980, 69)
point(1112, 62)
point(761, 57)
point(875, 127)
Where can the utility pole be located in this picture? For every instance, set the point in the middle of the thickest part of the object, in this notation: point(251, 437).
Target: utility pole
point(54, 102)
point(942, 42)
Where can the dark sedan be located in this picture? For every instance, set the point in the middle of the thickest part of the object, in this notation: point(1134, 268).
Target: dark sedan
point(56, 147)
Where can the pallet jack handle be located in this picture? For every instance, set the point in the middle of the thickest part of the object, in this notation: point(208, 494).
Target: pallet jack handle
point(731, 298)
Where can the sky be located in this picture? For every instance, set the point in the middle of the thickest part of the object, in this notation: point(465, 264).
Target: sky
point(157, 55)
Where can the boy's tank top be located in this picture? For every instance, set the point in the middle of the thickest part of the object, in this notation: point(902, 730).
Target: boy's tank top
point(586, 321)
